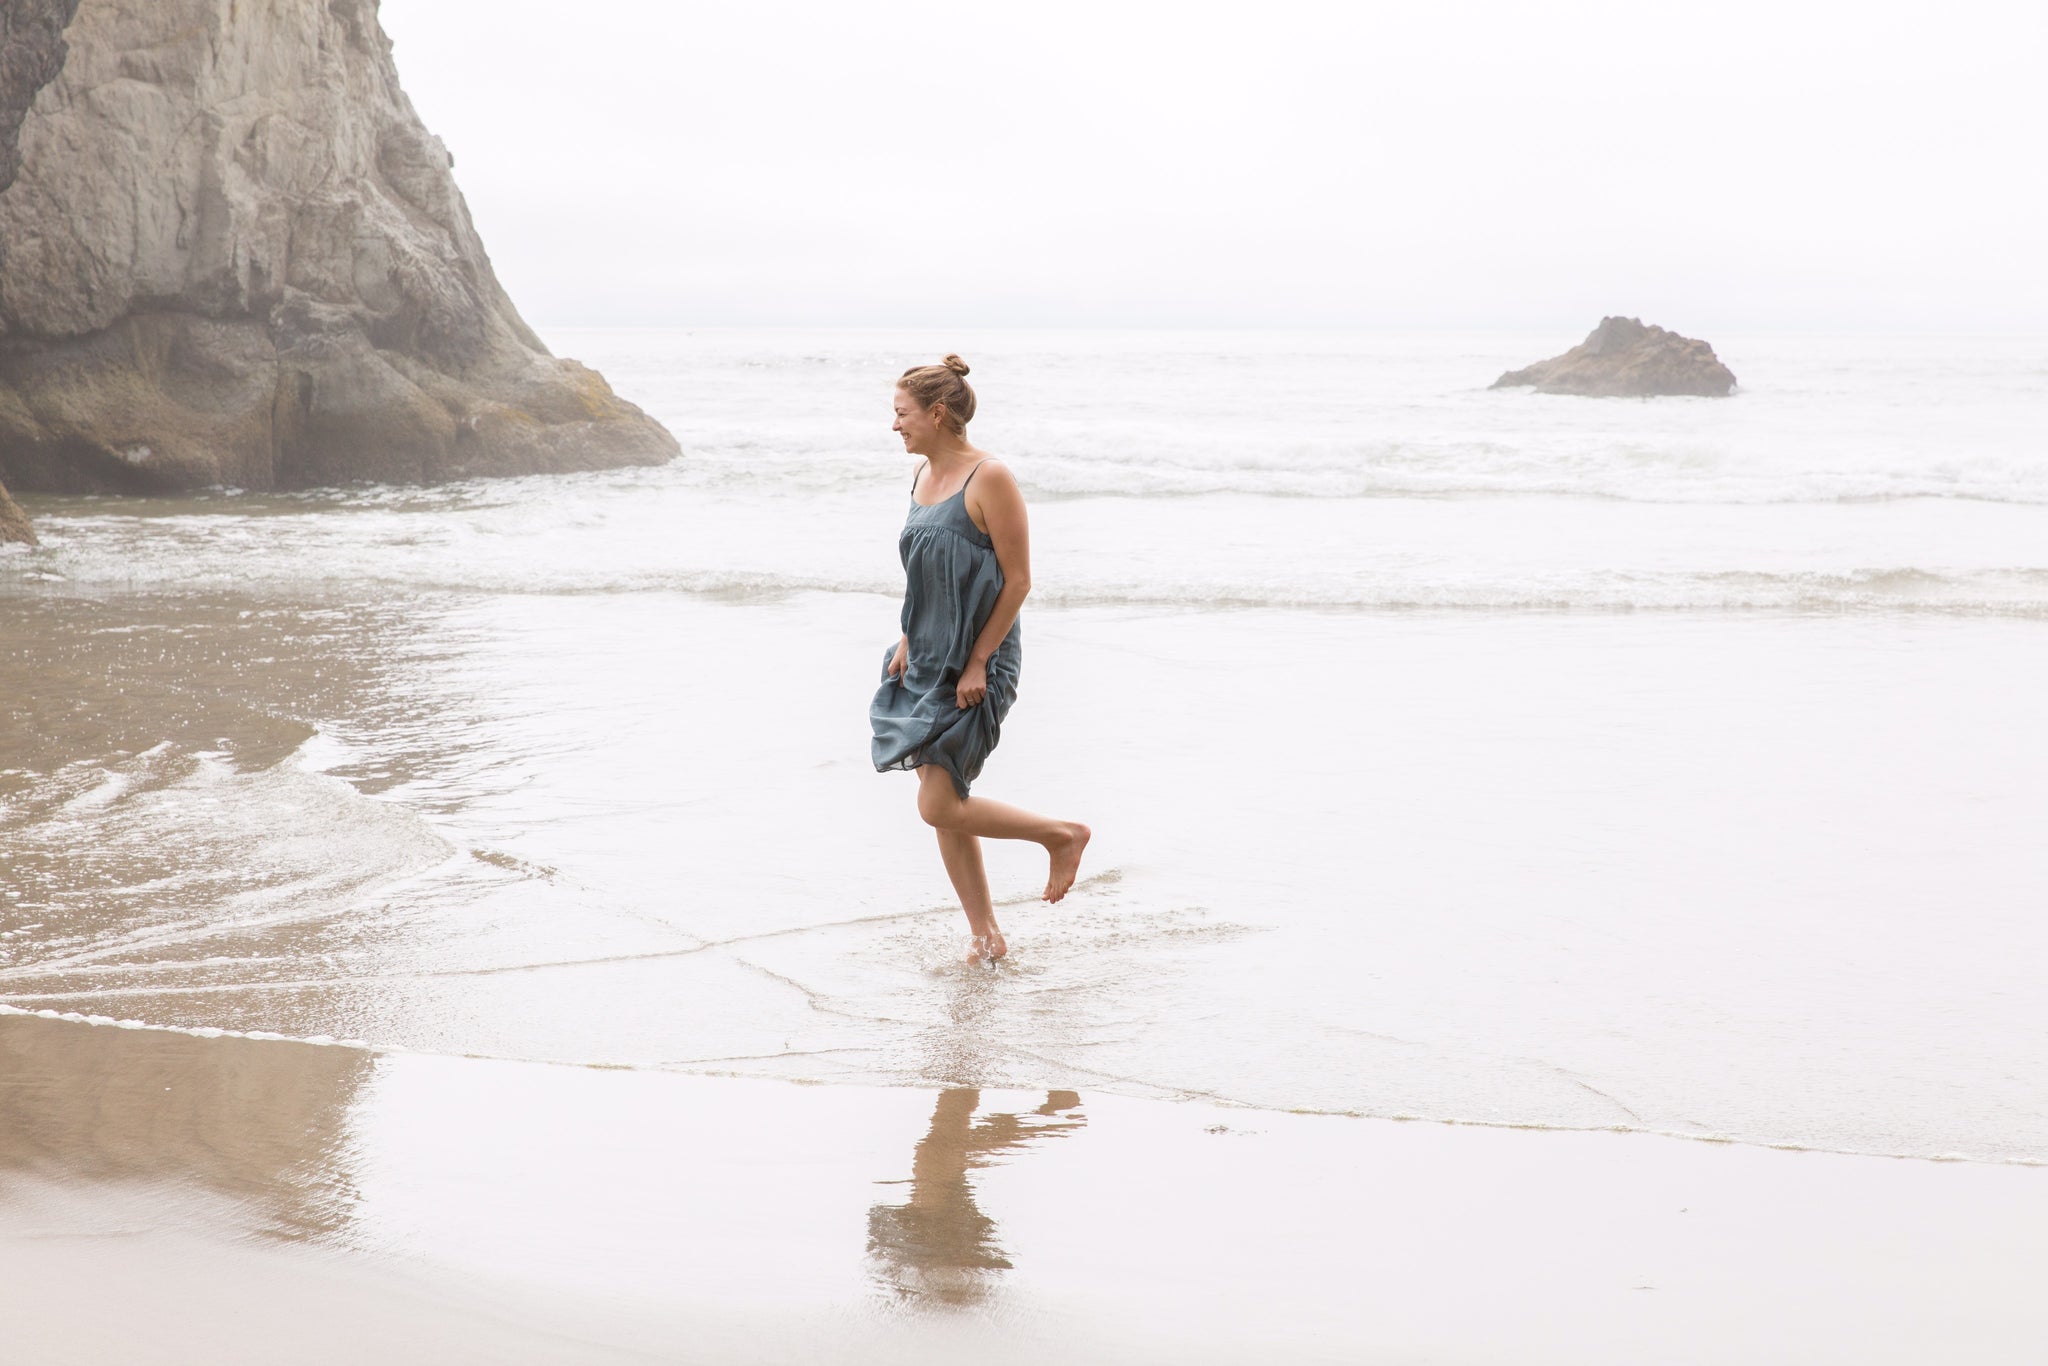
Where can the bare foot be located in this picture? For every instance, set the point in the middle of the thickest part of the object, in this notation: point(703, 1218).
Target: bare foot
point(1066, 859)
point(987, 947)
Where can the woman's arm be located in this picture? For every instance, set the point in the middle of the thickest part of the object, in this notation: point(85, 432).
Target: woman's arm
point(996, 503)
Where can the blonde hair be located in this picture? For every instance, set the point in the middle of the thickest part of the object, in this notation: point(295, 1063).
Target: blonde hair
point(944, 383)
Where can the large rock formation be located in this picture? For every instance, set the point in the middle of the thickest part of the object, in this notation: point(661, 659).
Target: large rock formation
point(31, 53)
point(1623, 358)
point(13, 523)
point(233, 255)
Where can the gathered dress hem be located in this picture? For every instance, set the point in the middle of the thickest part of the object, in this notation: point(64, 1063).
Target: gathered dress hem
point(951, 583)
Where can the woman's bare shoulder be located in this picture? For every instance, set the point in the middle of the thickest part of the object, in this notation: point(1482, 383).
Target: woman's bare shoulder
point(993, 495)
point(995, 471)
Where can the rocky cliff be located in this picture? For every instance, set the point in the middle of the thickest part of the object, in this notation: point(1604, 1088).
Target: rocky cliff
point(13, 524)
point(232, 255)
point(31, 54)
point(1623, 358)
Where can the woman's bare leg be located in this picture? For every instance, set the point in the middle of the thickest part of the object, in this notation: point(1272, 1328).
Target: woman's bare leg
point(945, 809)
point(962, 853)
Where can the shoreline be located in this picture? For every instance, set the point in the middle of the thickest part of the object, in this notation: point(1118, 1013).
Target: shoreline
point(1182, 1097)
point(436, 1208)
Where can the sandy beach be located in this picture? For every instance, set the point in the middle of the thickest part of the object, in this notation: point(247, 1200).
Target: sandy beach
point(171, 1198)
point(1565, 886)
point(1487, 567)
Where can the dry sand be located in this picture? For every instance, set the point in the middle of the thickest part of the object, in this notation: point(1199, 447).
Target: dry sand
point(172, 1198)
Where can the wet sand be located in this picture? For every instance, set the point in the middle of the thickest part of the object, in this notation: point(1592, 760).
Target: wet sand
point(166, 1197)
point(1673, 769)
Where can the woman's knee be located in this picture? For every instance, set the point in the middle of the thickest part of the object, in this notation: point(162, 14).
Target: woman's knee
point(937, 803)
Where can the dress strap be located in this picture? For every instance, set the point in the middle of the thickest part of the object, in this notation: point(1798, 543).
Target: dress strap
point(918, 474)
point(971, 473)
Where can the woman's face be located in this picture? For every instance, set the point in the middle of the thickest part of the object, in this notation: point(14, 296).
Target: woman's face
point(918, 427)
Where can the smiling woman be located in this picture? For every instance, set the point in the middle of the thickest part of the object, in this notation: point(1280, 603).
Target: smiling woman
point(949, 681)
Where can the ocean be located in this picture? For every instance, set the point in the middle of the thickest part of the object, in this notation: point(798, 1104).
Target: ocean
point(1675, 765)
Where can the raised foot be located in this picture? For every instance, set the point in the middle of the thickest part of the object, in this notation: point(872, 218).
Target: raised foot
point(986, 948)
point(1066, 852)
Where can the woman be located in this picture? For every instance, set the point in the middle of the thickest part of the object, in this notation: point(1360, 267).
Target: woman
point(950, 680)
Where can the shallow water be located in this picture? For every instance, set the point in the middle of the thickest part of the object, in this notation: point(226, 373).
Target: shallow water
point(1484, 756)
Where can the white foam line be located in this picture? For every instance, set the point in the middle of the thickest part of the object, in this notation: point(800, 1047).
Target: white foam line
point(74, 962)
point(1188, 1093)
point(192, 1031)
point(1218, 1098)
point(654, 955)
point(817, 999)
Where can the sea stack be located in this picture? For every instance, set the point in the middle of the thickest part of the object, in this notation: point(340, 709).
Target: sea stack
point(231, 255)
point(1622, 358)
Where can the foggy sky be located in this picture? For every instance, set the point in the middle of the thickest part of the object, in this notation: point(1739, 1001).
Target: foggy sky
point(1730, 166)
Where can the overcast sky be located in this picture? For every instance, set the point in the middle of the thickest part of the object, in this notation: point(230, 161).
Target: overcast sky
point(1726, 166)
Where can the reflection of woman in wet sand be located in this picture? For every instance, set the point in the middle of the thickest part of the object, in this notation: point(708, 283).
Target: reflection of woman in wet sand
point(940, 1244)
point(156, 1110)
point(949, 680)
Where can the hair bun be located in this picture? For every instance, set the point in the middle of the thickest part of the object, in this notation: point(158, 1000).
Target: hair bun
point(955, 364)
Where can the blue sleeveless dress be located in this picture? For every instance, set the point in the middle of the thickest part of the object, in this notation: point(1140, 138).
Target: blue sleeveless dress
point(951, 581)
